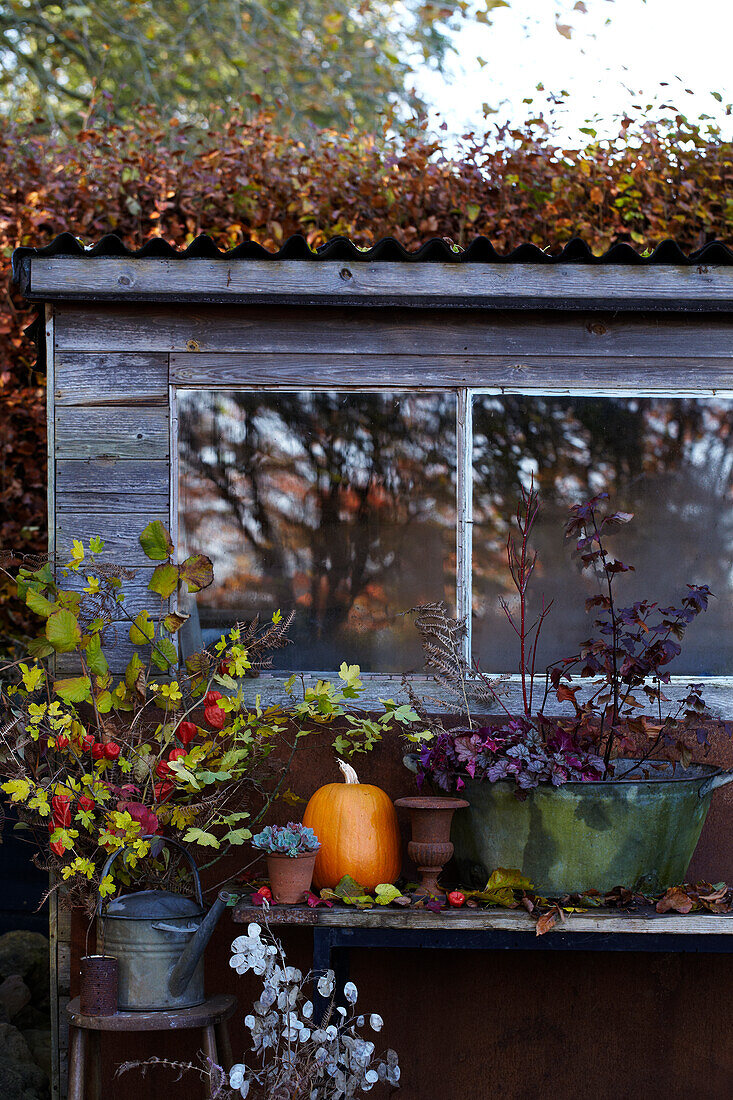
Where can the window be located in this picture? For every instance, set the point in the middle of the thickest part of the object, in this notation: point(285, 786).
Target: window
point(353, 507)
point(667, 460)
point(342, 506)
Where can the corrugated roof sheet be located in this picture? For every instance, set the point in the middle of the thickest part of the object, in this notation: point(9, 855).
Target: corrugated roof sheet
point(388, 250)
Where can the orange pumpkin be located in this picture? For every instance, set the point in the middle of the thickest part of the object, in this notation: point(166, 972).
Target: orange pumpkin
point(356, 824)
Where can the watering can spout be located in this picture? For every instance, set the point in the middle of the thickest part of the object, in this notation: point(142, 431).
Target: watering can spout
point(182, 972)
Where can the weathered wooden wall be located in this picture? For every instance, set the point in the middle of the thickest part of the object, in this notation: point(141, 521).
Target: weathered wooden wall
point(113, 370)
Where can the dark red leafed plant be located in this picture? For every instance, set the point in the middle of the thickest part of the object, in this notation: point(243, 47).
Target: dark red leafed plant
point(628, 655)
point(521, 562)
point(530, 749)
point(626, 661)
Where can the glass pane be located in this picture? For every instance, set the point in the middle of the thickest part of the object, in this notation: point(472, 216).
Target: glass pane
point(667, 460)
point(341, 506)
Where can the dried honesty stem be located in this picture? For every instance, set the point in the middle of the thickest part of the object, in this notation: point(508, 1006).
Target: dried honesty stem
point(442, 637)
point(213, 1076)
point(293, 1054)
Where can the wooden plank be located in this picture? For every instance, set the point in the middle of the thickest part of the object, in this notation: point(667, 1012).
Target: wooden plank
point(464, 516)
point(172, 523)
point(276, 331)
point(118, 649)
point(137, 594)
point(105, 485)
point(50, 430)
point(59, 921)
point(120, 532)
point(211, 370)
point(121, 378)
point(717, 690)
point(54, 994)
point(605, 922)
point(477, 284)
point(112, 432)
point(106, 499)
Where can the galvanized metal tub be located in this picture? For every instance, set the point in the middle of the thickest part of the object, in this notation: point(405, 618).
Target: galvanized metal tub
point(639, 831)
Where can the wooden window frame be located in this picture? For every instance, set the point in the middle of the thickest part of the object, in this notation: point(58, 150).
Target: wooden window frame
point(718, 689)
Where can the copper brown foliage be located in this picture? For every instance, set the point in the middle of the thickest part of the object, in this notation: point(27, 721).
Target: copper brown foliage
point(243, 180)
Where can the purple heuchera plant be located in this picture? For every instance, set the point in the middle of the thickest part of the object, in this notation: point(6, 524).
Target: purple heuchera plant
point(516, 751)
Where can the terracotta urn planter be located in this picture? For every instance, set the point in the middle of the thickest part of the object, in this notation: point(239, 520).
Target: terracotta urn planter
point(430, 847)
point(290, 876)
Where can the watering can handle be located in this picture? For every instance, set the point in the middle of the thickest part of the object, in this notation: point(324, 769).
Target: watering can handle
point(165, 840)
point(715, 781)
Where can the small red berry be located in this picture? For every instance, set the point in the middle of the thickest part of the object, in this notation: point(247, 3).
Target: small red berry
point(162, 770)
point(98, 750)
point(456, 899)
point(211, 697)
point(86, 803)
point(87, 742)
point(112, 750)
point(176, 754)
point(62, 741)
point(264, 894)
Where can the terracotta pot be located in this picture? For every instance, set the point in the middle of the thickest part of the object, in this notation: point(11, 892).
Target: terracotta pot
point(430, 847)
point(290, 876)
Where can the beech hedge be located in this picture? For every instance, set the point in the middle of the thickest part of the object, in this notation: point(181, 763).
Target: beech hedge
point(244, 180)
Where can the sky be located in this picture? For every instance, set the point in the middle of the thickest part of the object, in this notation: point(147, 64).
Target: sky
point(618, 54)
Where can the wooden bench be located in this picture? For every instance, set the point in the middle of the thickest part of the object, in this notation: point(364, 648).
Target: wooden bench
point(337, 930)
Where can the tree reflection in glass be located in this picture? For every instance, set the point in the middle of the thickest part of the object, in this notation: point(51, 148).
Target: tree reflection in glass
point(667, 460)
point(339, 505)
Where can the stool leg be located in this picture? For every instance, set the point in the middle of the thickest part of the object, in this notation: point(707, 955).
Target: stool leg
point(210, 1044)
point(77, 1058)
point(95, 1058)
point(225, 1047)
point(210, 1049)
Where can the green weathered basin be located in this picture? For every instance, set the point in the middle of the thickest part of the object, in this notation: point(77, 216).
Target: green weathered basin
point(587, 836)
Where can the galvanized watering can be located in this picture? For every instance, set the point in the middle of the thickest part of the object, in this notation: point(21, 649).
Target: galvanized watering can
point(158, 938)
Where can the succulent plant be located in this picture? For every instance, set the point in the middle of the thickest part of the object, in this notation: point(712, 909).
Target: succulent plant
point(293, 839)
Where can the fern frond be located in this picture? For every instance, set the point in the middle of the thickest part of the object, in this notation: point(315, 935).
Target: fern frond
point(442, 638)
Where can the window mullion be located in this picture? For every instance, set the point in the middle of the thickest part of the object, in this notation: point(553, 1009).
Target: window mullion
point(464, 510)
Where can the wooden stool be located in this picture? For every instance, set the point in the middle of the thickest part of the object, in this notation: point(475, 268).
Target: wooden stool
point(211, 1017)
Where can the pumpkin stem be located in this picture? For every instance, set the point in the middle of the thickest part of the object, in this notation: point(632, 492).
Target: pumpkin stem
point(348, 772)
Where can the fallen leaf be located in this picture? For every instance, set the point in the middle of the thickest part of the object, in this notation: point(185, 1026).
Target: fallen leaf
point(676, 899)
point(501, 887)
point(545, 923)
point(549, 919)
point(313, 901)
point(716, 896)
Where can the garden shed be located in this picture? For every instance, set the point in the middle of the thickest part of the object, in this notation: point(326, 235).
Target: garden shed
point(340, 431)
